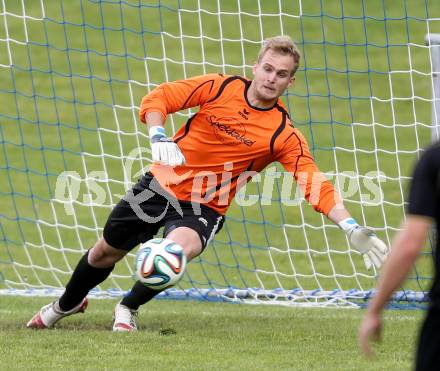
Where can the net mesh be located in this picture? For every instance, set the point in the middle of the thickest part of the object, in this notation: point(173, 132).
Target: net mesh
point(72, 75)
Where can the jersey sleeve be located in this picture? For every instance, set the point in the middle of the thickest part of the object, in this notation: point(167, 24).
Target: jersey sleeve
point(174, 96)
point(424, 190)
point(296, 158)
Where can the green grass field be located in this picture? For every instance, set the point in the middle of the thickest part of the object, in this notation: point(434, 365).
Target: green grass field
point(202, 336)
point(72, 75)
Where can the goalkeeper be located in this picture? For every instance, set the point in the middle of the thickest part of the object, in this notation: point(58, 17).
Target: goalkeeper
point(240, 128)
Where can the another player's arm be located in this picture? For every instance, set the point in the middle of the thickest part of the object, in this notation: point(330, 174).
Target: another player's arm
point(320, 193)
point(422, 210)
point(169, 98)
point(404, 251)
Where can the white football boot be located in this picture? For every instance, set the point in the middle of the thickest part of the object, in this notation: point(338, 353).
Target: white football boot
point(51, 313)
point(124, 319)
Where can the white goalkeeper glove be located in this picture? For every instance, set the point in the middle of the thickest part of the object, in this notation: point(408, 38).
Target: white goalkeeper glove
point(163, 149)
point(373, 250)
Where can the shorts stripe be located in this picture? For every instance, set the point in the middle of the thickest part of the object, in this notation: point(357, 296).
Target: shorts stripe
point(214, 229)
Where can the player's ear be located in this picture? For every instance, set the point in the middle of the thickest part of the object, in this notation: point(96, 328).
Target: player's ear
point(254, 68)
point(291, 82)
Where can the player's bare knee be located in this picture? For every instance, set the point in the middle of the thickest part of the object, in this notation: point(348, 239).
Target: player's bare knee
point(189, 239)
point(102, 255)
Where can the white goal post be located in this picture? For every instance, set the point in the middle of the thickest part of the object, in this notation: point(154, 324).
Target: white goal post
point(72, 75)
point(433, 41)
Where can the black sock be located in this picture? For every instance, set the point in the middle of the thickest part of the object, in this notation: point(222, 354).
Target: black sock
point(84, 278)
point(138, 295)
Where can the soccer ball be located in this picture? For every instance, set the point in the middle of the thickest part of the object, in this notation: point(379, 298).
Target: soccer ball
point(160, 263)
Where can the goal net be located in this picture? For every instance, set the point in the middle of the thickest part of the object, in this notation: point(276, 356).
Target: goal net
point(72, 75)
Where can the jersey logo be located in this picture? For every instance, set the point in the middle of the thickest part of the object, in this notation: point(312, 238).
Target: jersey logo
point(229, 131)
point(244, 114)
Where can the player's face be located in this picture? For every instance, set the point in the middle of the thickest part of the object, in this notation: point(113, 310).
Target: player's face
point(272, 76)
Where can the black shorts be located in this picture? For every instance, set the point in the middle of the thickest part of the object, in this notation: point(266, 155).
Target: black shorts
point(147, 207)
point(428, 351)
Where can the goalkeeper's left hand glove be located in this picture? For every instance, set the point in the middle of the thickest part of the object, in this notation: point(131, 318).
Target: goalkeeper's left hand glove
point(373, 250)
point(163, 149)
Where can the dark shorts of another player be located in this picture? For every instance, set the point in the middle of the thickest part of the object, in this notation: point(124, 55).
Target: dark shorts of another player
point(147, 207)
point(428, 351)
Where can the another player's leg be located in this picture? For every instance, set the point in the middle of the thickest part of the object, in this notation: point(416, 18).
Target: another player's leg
point(126, 311)
point(92, 269)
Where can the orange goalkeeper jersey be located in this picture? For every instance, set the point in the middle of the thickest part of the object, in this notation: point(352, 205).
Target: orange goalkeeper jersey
point(228, 141)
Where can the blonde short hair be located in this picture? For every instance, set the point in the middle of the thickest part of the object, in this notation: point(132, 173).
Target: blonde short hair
point(283, 45)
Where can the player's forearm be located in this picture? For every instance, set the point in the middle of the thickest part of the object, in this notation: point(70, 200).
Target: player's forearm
point(154, 118)
point(338, 213)
point(165, 99)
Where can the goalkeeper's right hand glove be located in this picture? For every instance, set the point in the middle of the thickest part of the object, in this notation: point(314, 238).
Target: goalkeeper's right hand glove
point(373, 250)
point(163, 149)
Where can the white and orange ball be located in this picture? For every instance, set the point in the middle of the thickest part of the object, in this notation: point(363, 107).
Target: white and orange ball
point(160, 263)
